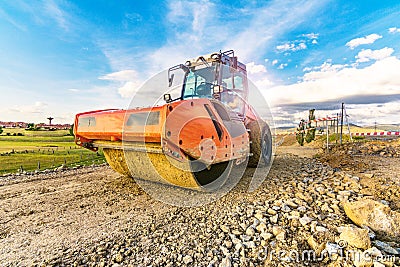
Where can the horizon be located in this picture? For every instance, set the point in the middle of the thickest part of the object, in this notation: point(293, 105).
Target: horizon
point(60, 58)
point(280, 127)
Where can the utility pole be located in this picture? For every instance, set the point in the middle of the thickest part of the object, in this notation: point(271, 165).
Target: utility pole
point(327, 136)
point(341, 125)
point(337, 126)
point(375, 126)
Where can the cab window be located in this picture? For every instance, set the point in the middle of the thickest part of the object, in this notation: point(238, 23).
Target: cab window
point(198, 82)
point(232, 80)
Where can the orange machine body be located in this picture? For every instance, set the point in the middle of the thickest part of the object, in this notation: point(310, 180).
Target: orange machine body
point(199, 129)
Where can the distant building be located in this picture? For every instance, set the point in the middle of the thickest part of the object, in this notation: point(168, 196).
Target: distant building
point(41, 125)
point(11, 124)
point(54, 126)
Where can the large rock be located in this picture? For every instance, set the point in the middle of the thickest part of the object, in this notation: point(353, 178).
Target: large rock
point(187, 259)
point(305, 220)
point(356, 237)
point(226, 262)
point(377, 216)
point(250, 231)
point(317, 247)
point(386, 247)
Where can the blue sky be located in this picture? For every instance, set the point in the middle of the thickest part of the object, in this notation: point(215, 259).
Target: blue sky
point(59, 58)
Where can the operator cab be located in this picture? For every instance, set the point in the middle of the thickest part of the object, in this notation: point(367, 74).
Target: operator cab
point(217, 76)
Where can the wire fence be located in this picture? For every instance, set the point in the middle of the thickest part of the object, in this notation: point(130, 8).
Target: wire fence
point(27, 160)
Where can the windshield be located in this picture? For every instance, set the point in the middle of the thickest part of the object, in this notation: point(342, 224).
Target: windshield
point(232, 80)
point(234, 89)
point(199, 83)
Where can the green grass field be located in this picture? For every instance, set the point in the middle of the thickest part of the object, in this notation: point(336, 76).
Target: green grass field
point(44, 149)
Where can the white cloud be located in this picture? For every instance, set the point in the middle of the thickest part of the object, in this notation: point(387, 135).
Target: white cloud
point(369, 39)
point(285, 47)
point(38, 107)
point(338, 81)
point(134, 17)
point(128, 80)
point(258, 75)
point(55, 12)
point(368, 54)
point(193, 13)
point(326, 67)
point(291, 47)
point(274, 62)
point(191, 25)
point(73, 90)
point(269, 23)
point(394, 30)
point(262, 82)
point(252, 68)
point(296, 45)
point(282, 66)
point(129, 89)
point(368, 114)
point(311, 36)
point(193, 28)
point(121, 76)
point(302, 46)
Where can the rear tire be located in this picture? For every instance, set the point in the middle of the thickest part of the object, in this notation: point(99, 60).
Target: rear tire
point(261, 144)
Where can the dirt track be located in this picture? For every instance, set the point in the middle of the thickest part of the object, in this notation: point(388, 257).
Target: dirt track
point(96, 216)
point(43, 218)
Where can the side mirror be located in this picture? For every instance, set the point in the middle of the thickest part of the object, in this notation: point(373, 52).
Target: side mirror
point(217, 89)
point(170, 80)
point(167, 97)
point(234, 64)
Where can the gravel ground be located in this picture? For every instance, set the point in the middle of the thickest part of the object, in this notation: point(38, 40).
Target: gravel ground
point(95, 217)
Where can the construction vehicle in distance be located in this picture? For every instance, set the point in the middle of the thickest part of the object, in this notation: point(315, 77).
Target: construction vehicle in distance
point(190, 141)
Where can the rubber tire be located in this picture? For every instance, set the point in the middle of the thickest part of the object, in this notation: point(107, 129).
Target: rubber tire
point(261, 144)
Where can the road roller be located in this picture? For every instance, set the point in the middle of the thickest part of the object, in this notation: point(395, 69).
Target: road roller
point(191, 141)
